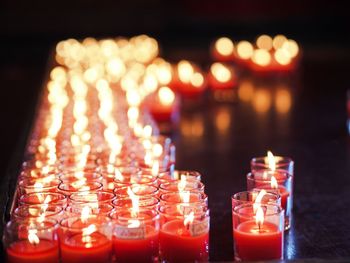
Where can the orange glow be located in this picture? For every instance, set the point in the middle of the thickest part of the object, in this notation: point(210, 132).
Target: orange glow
point(185, 71)
point(262, 100)
point(259, 216)
point(271, 161)
point(197, 80)
point(246, 90)
point(224, 46)
point(223, 120)
point(221, 72)
point(32, 237)
point(264, 42)
point(274, 184)
point(261, 57)
point(188, 219)
point(282, 56)
point(245, 49)
point(283, 101)
point(292, 47)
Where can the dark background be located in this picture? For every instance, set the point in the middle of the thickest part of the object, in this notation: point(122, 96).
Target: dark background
point(314, 132)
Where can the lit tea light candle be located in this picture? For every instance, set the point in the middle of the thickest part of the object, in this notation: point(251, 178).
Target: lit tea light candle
point(223, 49)
point(258, 232)
point(221, 77)
point(244, 52)
point(164, 105)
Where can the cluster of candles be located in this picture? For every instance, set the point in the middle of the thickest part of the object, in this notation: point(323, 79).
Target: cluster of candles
point(98, 182)
point(261, 214)
point(266, 55)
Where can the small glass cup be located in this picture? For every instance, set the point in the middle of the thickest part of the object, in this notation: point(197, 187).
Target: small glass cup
point(175, 186)
point(38, 212)
point(145, 202)
point(258, 232)
point(43, 198)
point(283, 164)
point(138, 190)
point(184, 233)
point(183, 198)
point(70, 188)
point(176, 175)
point(135, 235)
point(101, 197)
point(247, 197)
point(275, 182)
point(27, 186)
point(67, 177)
point(27, 240)
point(103, 209)
point(91, 237)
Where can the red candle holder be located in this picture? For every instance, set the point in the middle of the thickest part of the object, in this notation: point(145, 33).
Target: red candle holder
point(100, 209)
point(145, 203)
point(177, 175)
point(101, 197)
point(258, 232)
point(27, 186)
point(135, 235)
point(74, 187)
point(31, 241)
point(86, 240)
point(184, 234)
point(250, 197)
point(282, 163)
point(183, 198)
point(140, 179)
point(276, 182)
point(38, 212)
point(43, 198)
point(37, 173)
point(88, 176)
point(138, 189)
point(176, 186)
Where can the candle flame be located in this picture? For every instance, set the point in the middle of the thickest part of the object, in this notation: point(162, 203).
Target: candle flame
point(185, 196)
point(118, 175)
point(155, 168)
point(85, 213)
point(259, 216)
point(133, 223)
point(86, 238)
point(197, 80)
point(221, 72)
point(32, 237)
point(147, 131)
point(38, 187)
point(274, 183)
point(181, 185)
point(166, 96)
point(258, 200)
point(135, 202)
point(157, 150)
point(185, 71)
point(271, 161)
point(188, 219)
point(224, 46)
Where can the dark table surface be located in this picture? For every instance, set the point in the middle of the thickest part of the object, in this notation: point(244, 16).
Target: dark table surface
point(219, 139)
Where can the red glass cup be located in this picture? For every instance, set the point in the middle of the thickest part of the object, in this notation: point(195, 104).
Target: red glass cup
point(138, 190)
point(76, 209)
point(176, 186)
point(47, 184)
point(145, 202)
point(70, 188)
point(58, 199)
point(38, 212)
point(92, 197)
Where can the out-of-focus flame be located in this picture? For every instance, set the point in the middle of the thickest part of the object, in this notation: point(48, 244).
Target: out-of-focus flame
point(259, 216)
point(157, 150)
point(224, 46)
point(32, 237)
point(166, 96)
point(185, 71)
point(86, 235)
point(155, 168)
point(264, 42)
point(258, 199)
point(185, 196)
point(197, 80)
point(85, 213)
point(274, 183)
point(133, 223)
point(135, 203)
point(245, 49)
point(118, 175)
point(188, 219)
point(181, 185)
point(38, 187)
point(221, 72)
point(271, 161)
point(261, 57)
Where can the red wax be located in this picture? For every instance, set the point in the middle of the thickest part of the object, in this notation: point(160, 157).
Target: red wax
point(73, 249)
point(178, 245)
point(254, 245)
point(24, 252)
point(143, 249)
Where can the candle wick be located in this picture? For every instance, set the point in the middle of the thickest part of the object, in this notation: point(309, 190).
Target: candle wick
point(259, 226)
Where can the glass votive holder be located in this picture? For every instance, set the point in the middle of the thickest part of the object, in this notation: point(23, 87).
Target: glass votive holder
point(176, 175)
point(185, 197)
point(27, 186)
point(258, 232)
point(37, 173)
point(135, 179)
point(137, 189)
point(79, 186)
point(41, 163)
point(258, 196)
point(31, 241)
point(87, 168)
point(275, 182)
point(135, 235)
point(101, 197)
point(38, 212)
point(176, 186)
point(40, 198)
point(102, 209)
point(184, 234)
point(86, 239)
point(67, 177)
point(282, 163)
point(145, 202)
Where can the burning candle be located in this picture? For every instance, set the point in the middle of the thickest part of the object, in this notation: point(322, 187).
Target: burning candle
point(223, 49)
point(135, 234)
point(31, 241)
point(222, 77)
point(258, 232)
point(86, 238)
point(271, 162)
point(184, 234)
point(164, 105)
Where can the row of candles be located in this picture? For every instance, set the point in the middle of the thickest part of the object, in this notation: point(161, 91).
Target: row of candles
point(262, 214)
point(98, 182)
